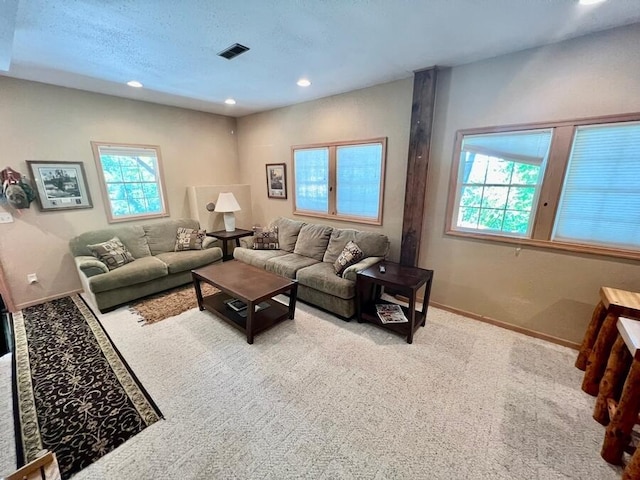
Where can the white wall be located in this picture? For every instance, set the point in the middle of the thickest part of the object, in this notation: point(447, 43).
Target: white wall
point(43, 122)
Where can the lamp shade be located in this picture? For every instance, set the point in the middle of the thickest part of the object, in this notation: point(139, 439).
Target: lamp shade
point(227, 203)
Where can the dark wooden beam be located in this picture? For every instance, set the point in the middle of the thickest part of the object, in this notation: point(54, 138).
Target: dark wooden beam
point(424, 95)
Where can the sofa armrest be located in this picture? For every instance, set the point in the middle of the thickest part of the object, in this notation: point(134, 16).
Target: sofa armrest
point(209, 242)
point(246, 242)
point(350, 272)
point(90, 266)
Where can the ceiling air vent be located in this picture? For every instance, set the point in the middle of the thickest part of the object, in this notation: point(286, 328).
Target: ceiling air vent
point(233, 51)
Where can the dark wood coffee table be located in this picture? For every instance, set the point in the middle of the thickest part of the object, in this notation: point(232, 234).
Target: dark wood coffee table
point(253, 286)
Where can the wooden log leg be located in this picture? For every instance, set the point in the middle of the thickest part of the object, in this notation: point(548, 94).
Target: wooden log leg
point(618, 432)
point(617, 368)
point(599, 355)
point(590, 335)
point(632, 470)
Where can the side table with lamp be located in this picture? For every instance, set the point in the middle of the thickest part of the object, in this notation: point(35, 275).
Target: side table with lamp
point(227, 204)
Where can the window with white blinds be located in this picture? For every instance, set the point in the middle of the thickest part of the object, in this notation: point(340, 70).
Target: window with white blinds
point(131, 181)
point(342, 180)
point(600, 202)
point(577, 186)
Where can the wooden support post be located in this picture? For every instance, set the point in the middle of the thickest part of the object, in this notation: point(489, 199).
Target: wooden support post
point(600, 355)
point(422, 108)
point(613, 380)
point(590, 335)
point(618, 432)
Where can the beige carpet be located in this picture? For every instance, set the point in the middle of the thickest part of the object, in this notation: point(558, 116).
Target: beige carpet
point(320, 398)
point(168, 304)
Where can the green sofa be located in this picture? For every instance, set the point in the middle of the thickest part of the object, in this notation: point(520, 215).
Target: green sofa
point(307, 253)
point(156, 267)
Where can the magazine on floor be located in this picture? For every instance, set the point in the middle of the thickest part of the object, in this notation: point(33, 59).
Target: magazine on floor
point(390, 313)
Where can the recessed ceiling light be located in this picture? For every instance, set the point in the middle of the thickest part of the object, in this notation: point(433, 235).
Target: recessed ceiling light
point(134, 83)
point(590, 2)
point(303, 82)
point(230, 101)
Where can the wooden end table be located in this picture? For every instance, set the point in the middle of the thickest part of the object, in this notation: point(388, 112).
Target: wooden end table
point(225, 236)
point(402, 279)
point(253, 286)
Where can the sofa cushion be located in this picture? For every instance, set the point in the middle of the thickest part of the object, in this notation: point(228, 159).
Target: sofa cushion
point(323, 278)
point(161, 236)
point(132, 236)
point(313, 240)
point(257, 258)
point(140, 270)
point(112, 253)
point(350, 255)
point(287, 265)
point(189, 239)
point(371, 244)
point(265, 238)
point(288, 231)
point(190, 259)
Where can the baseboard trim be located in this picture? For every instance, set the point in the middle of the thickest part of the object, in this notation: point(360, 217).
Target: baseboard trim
point(508, 326)
point(20, 306)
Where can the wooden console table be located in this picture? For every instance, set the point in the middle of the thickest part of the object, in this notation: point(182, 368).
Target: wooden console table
point(402, 279)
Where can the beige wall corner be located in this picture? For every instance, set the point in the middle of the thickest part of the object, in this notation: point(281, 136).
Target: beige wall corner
point(200, 196)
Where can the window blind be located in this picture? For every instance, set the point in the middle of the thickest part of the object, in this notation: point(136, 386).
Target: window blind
point(358, 175)
point(312, 179)
point(600, 202)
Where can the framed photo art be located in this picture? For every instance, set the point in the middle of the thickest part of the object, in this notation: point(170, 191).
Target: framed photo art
point(60, 185)
point(277, 180)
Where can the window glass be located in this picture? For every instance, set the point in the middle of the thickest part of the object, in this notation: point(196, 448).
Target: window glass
point(132, 181)
point(340, 180)
point(600, 199)
point(499, 180)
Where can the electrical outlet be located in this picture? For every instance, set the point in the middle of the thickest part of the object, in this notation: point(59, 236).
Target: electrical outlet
point(6, 217)
point(32, 278)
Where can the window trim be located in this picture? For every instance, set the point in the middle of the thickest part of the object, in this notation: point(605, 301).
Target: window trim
point(332, 213)
point(103, 183)
point(550, 190)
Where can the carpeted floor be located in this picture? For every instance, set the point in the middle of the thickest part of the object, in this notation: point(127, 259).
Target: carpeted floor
point(320, 398)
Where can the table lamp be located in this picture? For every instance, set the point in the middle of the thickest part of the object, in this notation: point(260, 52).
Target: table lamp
point(227, 204)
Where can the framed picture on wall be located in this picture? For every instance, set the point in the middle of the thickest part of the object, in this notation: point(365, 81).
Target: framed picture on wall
point(277, 180)
point(60, 185)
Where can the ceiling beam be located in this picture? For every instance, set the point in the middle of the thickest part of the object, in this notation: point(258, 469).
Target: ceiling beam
point(422, 108)
point(8, 14)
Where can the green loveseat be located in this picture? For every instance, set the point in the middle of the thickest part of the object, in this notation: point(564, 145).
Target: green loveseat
point(307, 253)
point(156, 267)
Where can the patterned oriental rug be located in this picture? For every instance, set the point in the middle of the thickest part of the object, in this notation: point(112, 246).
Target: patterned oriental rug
point(74, 394)
point(170, 303)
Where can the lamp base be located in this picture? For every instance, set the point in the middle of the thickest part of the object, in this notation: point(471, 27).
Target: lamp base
point(229, 221)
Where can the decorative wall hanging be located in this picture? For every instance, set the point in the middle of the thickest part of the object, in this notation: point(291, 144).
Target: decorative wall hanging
point(277, 180)
point(60, 185)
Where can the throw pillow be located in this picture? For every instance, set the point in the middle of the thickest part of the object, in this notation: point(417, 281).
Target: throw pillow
point(265, 238)
point(189, 239)
point(351, 254)
point(112, 253)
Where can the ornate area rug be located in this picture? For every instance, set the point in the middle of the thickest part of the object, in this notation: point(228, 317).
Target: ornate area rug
point(170, 303)
point(74, 394)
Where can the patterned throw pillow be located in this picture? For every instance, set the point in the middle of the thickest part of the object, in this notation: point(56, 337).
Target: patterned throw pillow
point(112, 253)
point(350, 254)
point(265, 238)
point(189, 239)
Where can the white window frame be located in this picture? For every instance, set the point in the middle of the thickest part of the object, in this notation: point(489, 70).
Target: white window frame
point(331, 212)
point(550, 192)
point(111, 218)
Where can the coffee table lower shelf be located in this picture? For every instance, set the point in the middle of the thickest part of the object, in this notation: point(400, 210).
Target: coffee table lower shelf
point(262, 320)
point(369, 314)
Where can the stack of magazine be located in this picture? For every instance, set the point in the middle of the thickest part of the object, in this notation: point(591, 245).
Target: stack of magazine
point(241, 308)
point(390, 313)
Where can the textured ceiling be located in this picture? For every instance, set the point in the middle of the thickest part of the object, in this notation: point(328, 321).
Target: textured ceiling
point(340, 45)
